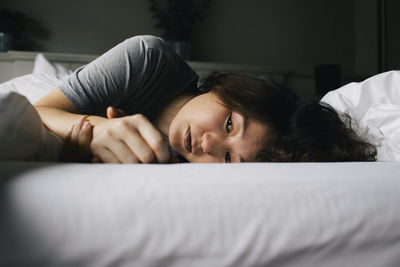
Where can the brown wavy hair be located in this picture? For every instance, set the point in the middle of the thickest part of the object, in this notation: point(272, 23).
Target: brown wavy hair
point(302, 132)
point(318, 133)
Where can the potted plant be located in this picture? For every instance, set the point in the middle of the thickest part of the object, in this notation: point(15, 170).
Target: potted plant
point(177, 18)
point(20, 32)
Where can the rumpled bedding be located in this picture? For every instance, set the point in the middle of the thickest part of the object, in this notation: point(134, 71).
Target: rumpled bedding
point(374, 106)
point(22, 134)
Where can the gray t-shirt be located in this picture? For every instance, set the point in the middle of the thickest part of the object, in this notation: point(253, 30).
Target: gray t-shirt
point(140, 75)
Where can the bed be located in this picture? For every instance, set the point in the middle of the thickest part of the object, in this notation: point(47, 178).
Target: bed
point(247, 214)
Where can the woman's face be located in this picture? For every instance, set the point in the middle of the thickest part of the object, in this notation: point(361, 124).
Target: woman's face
point(204, 130)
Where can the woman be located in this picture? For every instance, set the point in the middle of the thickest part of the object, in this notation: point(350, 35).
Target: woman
point(230, 118)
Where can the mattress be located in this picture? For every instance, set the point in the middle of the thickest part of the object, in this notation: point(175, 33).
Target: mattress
point(247, 214)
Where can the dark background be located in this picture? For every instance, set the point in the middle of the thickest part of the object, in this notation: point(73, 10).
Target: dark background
point(296, 35)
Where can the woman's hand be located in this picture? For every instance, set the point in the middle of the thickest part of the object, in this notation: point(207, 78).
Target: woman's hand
point(77, 143)
point(130, 139)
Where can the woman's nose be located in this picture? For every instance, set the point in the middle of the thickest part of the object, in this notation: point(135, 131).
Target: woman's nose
point(211, 143)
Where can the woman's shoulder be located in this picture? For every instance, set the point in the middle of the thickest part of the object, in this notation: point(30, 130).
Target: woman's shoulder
point(156, 55)
point(146, 42)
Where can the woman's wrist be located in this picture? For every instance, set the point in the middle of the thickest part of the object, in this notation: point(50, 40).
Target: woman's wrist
point(94, 120)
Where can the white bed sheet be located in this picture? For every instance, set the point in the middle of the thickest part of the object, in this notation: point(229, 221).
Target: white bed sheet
point(250, 214)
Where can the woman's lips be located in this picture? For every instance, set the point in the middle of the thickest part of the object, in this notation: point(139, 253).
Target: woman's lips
point(187, 140)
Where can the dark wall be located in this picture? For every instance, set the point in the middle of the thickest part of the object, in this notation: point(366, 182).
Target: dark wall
point(287, 33)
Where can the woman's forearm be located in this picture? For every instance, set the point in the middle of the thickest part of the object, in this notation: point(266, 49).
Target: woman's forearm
point(59, 114)
point(60, 122)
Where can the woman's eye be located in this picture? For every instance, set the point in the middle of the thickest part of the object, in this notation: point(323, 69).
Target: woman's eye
point(227, 157)
point(229, 124)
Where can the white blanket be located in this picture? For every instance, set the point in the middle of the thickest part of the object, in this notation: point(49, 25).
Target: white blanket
point(22, 134)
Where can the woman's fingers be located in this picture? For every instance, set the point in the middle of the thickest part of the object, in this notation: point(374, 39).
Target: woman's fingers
point(131, 139)
point(122, 152)
point(153, 137)
point(131, 149)
point(105, 155)
point(140, 148)
point(85, 137)
point(113, 112)
point(77, 142)
point(76, 130)
point(120, 149)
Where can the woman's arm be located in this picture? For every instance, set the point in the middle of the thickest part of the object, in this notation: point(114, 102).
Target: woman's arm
point(130, 139)
point(59, 114)
point(139, 76)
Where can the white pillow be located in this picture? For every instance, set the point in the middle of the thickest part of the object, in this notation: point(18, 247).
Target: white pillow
point(22, 134)
point(32, 86)
point(43, 80)
point(43, 66)
point(374, 106)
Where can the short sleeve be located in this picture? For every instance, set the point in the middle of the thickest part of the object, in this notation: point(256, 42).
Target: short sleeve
point(140, 75)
